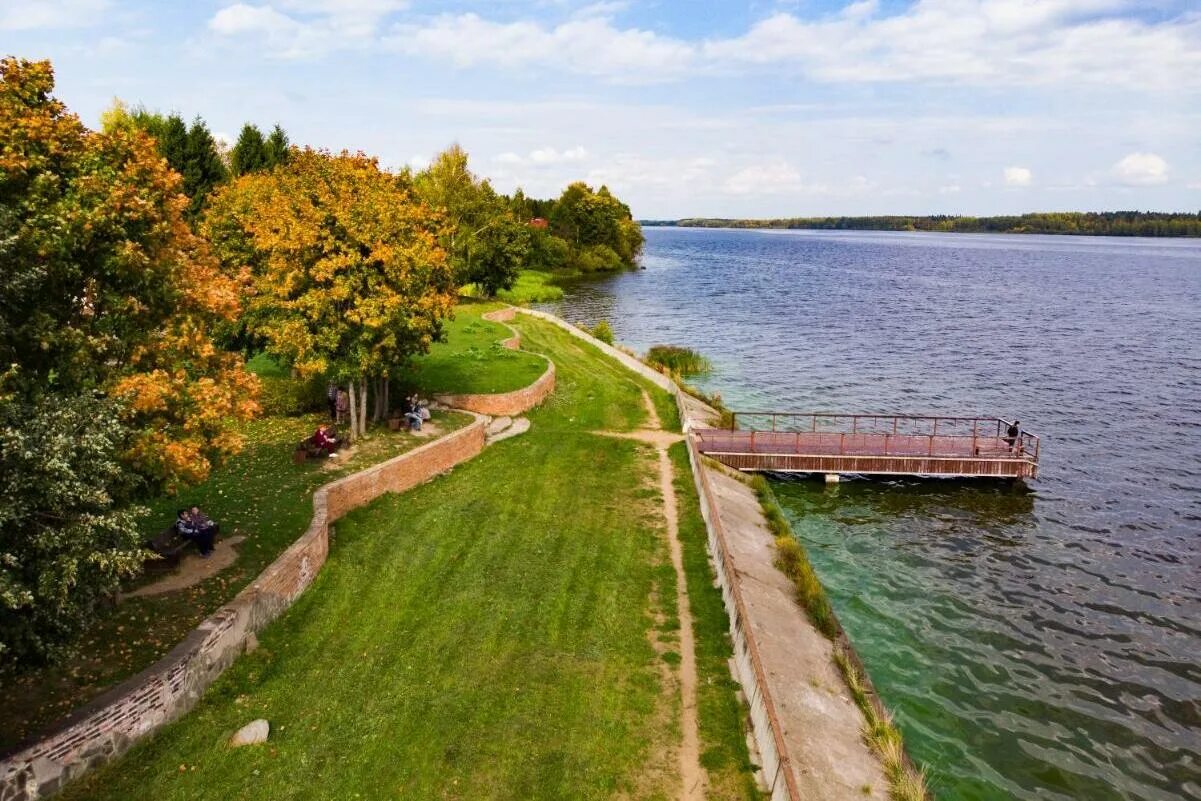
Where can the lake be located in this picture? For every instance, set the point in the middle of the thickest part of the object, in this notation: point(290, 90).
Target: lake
point(1037, 644)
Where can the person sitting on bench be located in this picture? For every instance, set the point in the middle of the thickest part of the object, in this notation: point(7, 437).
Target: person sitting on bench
point(323, 442)
point(198, 527)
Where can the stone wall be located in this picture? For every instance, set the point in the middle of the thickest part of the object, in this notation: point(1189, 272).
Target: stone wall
point(111, 723)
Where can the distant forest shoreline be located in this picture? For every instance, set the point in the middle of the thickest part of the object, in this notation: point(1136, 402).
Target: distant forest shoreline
point(1105, 223)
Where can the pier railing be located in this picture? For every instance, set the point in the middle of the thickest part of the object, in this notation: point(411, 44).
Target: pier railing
point(882, 434)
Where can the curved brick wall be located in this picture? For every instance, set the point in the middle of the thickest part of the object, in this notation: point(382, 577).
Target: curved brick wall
point(508, 404)
point(111, 723)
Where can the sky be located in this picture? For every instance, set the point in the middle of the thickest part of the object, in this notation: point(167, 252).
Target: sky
point(702, 108)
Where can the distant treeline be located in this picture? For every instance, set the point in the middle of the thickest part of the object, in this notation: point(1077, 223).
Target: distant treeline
point(1106, 223)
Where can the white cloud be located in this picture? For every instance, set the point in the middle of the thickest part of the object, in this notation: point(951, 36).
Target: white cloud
point(544, 156)
point(590, 45)
point(971, 42)
point(977, 42)
point(305, 28)
point(17, 15)
point(1017, 176)
point(241, 18)
point(769, 178)
point(949, 189)
point(1141, 169)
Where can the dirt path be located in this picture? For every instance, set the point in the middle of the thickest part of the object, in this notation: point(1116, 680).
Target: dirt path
point(691, 773)
point(192, 570)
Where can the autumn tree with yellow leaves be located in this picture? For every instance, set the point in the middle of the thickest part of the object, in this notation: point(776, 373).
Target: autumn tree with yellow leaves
point(348, 277)
point(110, 385)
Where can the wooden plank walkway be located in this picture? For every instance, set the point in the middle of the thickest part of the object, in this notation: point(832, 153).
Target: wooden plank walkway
point(875, 445)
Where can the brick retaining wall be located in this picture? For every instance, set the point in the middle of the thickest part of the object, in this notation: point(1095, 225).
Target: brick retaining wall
point(507, 404)
point(111, 723)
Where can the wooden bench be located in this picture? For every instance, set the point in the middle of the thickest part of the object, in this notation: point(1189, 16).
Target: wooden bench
point(171, 545)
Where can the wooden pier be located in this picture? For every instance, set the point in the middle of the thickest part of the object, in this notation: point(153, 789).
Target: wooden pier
point(867, 444)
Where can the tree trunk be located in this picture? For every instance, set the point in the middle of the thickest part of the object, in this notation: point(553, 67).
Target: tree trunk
point(387, 396)
point(363, 411)
point(354, 426)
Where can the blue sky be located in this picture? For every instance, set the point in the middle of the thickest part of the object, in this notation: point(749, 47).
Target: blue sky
point(684, 108)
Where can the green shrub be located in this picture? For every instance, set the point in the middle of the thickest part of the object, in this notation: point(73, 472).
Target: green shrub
point(675, 359)
point(603, 331)
point(531, 287)
point(598, 259)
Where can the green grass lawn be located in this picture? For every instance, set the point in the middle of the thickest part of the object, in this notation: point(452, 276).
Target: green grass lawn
point(471, 360)
point(486, 635)
point(259, 494)
point(531, 286)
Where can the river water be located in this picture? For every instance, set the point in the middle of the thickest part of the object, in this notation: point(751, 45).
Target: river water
point(1040, 644)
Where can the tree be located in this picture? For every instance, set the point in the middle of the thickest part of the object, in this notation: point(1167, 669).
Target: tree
point(276, 147)
point(67, 537)
point(202, 168)
point(108, 301)
point(596, 224)
point(468, 203)
point(497, 252)
point(191, 152)
point(348, 275)
point(250, 151)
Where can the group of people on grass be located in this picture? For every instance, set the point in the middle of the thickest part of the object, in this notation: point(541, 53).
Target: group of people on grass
point(325, 441)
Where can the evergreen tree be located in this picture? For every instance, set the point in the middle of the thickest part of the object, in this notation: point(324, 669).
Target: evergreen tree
point(172, 136)
point(202, 168)
point(250, 153)
point(277, 147)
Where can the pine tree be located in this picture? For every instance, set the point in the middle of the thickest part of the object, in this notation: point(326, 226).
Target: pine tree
point(172, 139)
point(277, 147)
point(250, 153)
point(202, 166)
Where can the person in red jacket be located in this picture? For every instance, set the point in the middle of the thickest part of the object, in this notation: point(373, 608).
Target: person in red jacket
point(323, 441)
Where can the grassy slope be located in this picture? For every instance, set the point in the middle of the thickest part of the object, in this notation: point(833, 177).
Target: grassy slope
point(260, 494)
point(485, 635)
point(471, 359)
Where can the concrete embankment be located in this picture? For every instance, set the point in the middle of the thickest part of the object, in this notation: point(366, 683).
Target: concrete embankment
point(805, 724)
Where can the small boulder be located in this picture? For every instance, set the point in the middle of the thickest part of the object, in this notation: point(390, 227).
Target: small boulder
point(255, 731)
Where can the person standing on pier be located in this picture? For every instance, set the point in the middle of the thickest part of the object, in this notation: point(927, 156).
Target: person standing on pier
point(1013, 434)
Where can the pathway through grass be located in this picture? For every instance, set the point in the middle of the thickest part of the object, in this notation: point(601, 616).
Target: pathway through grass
point(487, 635)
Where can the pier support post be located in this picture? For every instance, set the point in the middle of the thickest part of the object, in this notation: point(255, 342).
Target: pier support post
point(832, 478)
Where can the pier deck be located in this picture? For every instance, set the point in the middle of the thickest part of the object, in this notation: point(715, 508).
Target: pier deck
point(958, 447)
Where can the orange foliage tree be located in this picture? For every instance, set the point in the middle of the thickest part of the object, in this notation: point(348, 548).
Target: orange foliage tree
point(107, 287)
point(348, 278)
point(111, 387)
